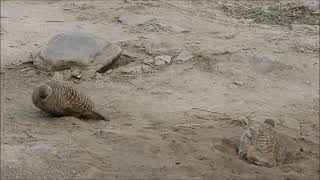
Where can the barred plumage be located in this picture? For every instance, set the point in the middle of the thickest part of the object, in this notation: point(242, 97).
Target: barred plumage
point(262, 145)
point(63, 99)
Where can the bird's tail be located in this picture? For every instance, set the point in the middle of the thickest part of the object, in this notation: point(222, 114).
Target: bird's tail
point(94, 115)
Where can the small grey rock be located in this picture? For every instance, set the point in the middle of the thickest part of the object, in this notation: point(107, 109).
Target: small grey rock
point(131, 68)
point(43, 149)
point(134, 19)
point(261, 64)
point(238, 83)
point(87, 74)
point(57, 76)
point(162, 60)
point(76, 73)
point(148, 61)
point(185, 56)
point(30, 72)
point(146, 68)
point(99, 76)
point(67, 74)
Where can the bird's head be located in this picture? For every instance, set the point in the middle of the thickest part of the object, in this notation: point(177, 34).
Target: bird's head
point(44, 92)
point(270, 122)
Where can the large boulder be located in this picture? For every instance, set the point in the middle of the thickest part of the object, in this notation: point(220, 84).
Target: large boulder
point(84, 50)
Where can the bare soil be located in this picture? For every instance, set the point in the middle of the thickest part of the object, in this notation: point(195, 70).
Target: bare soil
point(174, 122)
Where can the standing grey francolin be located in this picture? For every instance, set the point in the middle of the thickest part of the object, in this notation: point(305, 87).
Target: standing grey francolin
point(63, 99)
point(262, 145)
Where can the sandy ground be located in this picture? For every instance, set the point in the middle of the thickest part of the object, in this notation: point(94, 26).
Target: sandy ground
point(159, 126)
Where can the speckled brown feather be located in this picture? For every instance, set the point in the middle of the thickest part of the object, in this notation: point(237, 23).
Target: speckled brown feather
point(261, 144)
point(65, 100)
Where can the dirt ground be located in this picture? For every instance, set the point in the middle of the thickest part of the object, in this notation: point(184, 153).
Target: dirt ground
point(174, 122)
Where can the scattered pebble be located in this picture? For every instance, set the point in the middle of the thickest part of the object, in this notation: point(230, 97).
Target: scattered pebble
point(43, 149)
point(30, 73)
point(162, 60)
point(99, 76)
point(308, 83)
point(238, 83)
point(67, 74)
point(131, 68)
point(185, 56)
point(109, 71)
point(146, 68)
point(88, 74)
point(148, 61)
point(57, 76)
point(135, 19)
point(76, 73)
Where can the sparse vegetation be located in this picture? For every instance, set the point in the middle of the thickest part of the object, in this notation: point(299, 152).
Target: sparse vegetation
point(277, 14)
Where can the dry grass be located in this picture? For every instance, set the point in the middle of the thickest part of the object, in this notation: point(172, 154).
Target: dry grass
point(276, 14)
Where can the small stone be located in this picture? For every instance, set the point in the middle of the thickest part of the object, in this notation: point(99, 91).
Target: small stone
point(148, 61)
point(131, 68)
point(185, 56)
point(76, 73)
point(162, 60)
point(87, 74)
point(159, 62)
point(57, 76)
point(308, 83)
point(43, 149)
point(146, 68)
point(109, 71)
point(99, 76)
point(135, 19)
point(262, 64)
point(163, 50)
point(238, 83)
point(67, 74)
point(30, 73)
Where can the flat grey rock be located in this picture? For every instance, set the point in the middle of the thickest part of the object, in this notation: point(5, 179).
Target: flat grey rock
point(57, 76)
point(135, 19)
point(43, 149)
point(260, 63)
point(74, 49)
point(185, 56)
point(162, 60)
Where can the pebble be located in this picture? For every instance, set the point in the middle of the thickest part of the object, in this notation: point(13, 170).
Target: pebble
point(30, 73)
point(76, 73)
point(148, 61)
point(86, 75)
point(162, 60)
point(185, 56)
point(43, 149)
point(99, 76)
point(135, 19)
point(131, 68)
point(308, 83)
point(109, 71)
point(57, 76)
point(146, 68)
point(239, 83)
